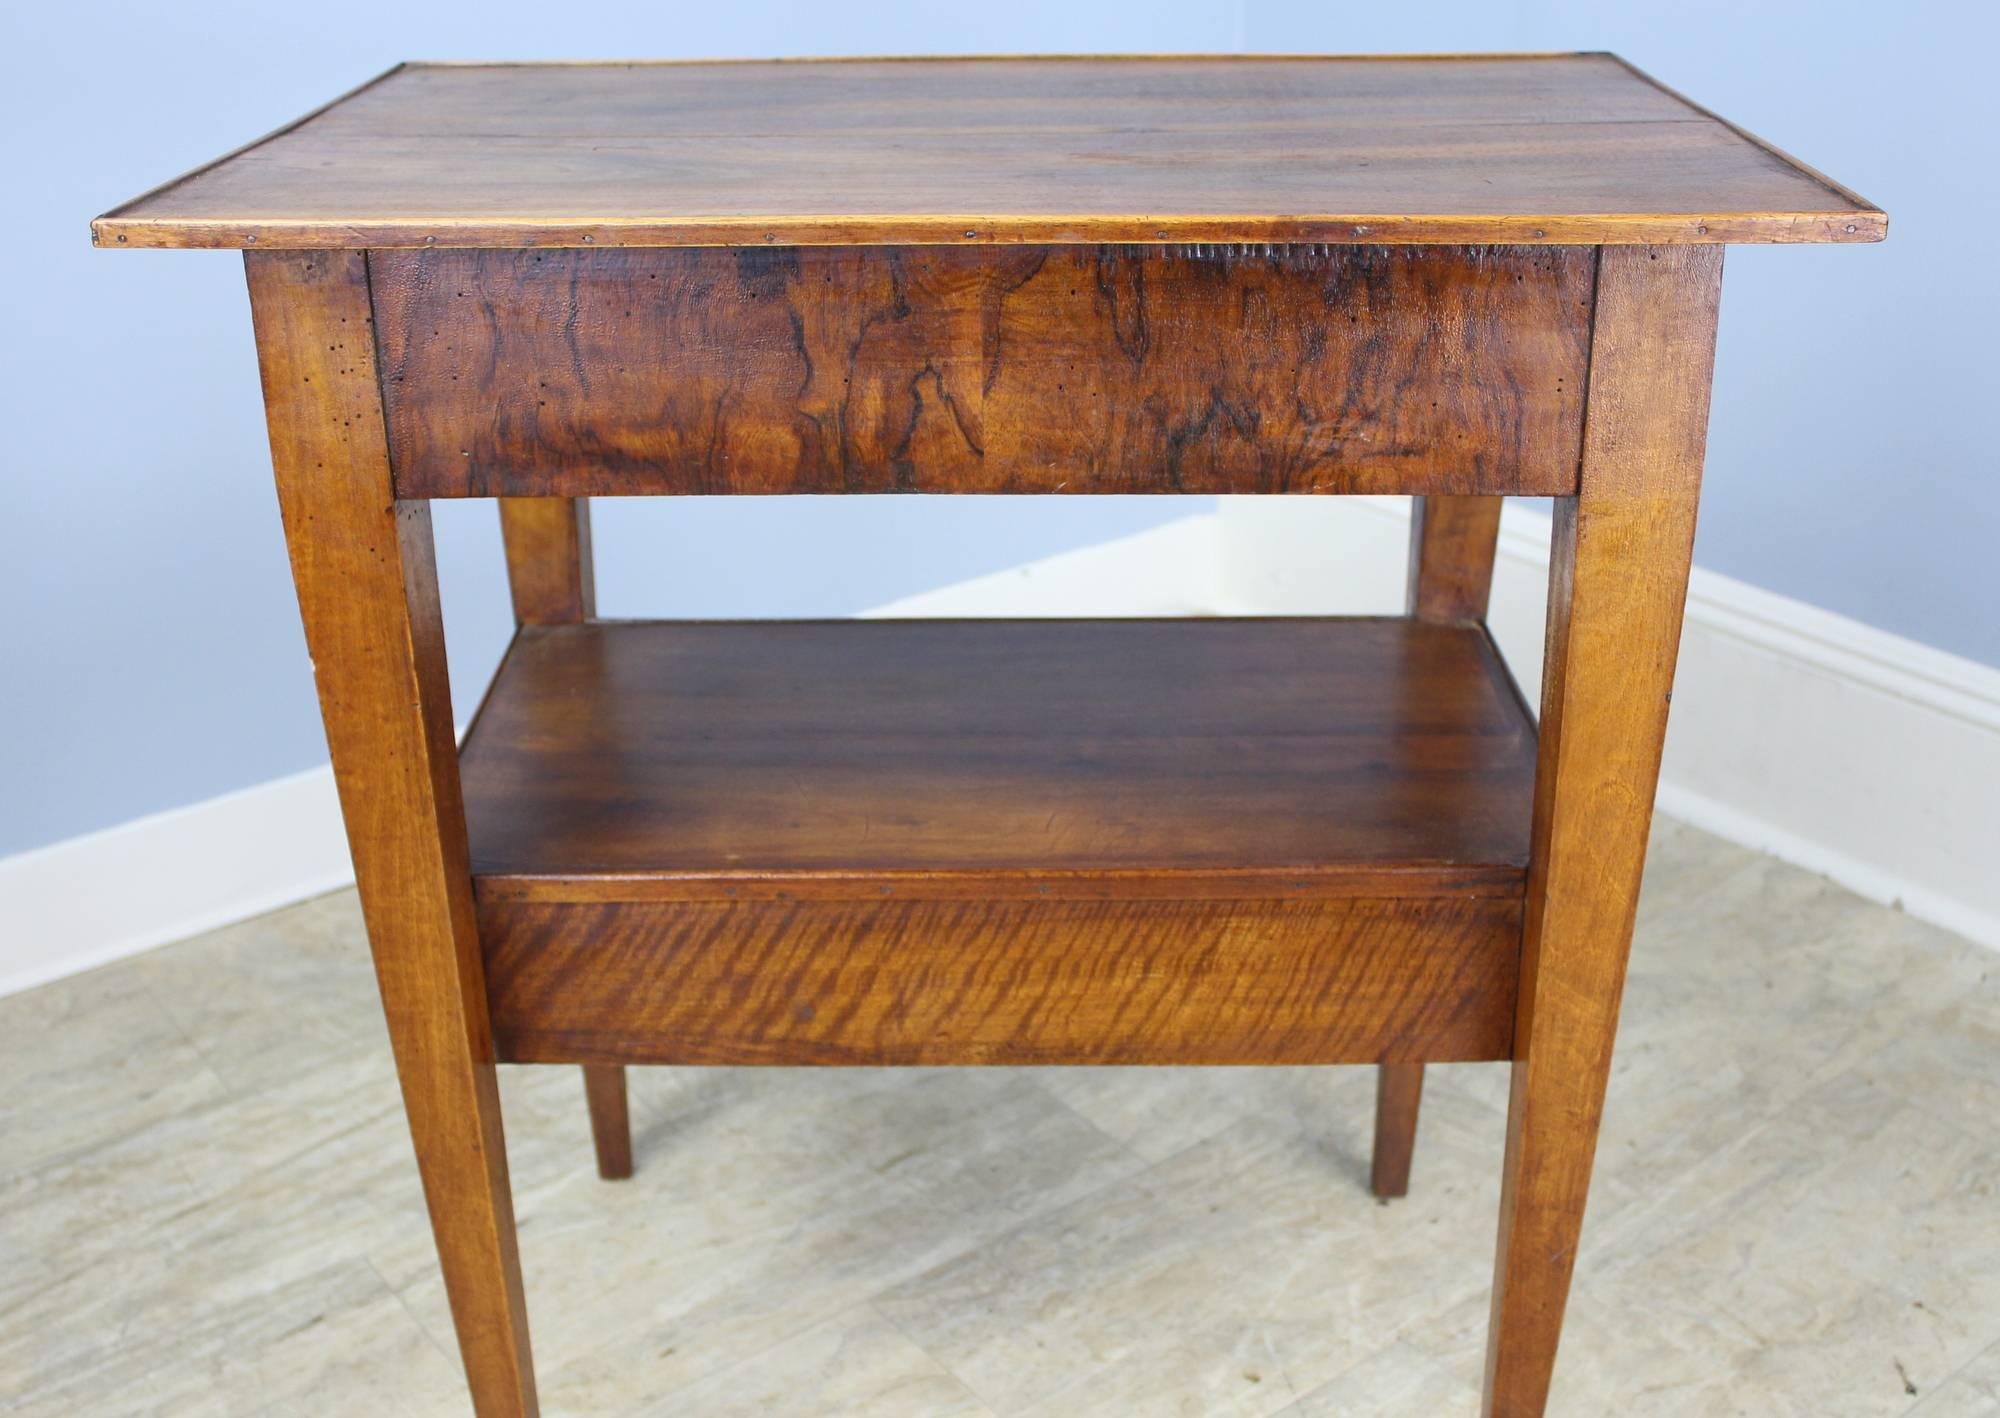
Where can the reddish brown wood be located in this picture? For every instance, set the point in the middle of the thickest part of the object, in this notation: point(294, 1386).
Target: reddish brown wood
point(1576, 148)
point(982, 842)
point(367, 589)
point(1399, 1091)
point(1452, 541)
point(634, 760)
point(550, 574)
point(548, 559)
point(1216, 842)
point(981, 981)
point(1618, 579)
point(610, 1123)
point(1016, 369)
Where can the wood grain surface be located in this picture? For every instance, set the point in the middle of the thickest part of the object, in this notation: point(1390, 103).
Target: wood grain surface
point(1041, 758)
point(1399, 1093)
point(367, 584)
point(549, 571)
point(610, 1120)
point(1452, 542)
point(1618, 582)
point(1562, 148)
point(1016, 369)
point(980, 981)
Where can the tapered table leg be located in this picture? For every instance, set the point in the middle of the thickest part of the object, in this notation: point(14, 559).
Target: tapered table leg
point(1399, 1088)
point(1618, 580)
point(550, 574)
point(610, 1122)
point(549, 568)
point(368, 593)
point(1452, 540)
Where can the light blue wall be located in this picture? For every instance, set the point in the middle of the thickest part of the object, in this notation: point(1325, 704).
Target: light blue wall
point(152, 648)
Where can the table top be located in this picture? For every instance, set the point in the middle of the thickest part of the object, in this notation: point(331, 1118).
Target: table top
point(1505, 148)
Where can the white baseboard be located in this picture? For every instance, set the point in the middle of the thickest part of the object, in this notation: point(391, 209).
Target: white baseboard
point(84, 902)
point(1843, 749)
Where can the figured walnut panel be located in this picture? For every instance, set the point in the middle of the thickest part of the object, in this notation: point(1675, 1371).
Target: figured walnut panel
point(1002, 982)
point(1003, 369)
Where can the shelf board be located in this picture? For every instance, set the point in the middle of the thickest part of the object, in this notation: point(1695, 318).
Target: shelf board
point(1215, 758)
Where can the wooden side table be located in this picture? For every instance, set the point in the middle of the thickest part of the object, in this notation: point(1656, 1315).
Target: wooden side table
point(1187, 842)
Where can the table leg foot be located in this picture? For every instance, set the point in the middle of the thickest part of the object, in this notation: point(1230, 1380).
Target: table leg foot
point(1399, 1090)
point(610, 1124)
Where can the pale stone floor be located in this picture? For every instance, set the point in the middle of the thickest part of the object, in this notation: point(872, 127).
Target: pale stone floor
point(208, 1204)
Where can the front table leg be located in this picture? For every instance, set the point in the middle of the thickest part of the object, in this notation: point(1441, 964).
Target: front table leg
point(1618, 580)
point(368, 593)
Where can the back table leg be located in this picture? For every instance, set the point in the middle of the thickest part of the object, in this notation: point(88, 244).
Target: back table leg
point(368, 594)
point(548, 559)
point(1451, 575)
point(1451, 557)
point(610, 1123)
point(1399, 1088)
point(1617, 581)
point(549, 571)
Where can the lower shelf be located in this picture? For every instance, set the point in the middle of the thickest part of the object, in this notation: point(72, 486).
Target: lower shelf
point(1200, 841)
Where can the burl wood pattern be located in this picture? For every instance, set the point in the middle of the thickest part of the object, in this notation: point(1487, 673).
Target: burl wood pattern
point(1105, 369)
point(1168, 843)
point(980, 981)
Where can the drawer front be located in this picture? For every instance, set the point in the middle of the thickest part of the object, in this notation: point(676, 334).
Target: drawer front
point(1092, 369)
point(982, 981)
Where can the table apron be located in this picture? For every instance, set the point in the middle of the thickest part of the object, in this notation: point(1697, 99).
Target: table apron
point(1002, 369)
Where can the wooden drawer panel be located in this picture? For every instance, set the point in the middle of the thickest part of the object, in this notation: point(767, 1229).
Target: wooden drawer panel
point(1098, 369)
point(982, 981)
